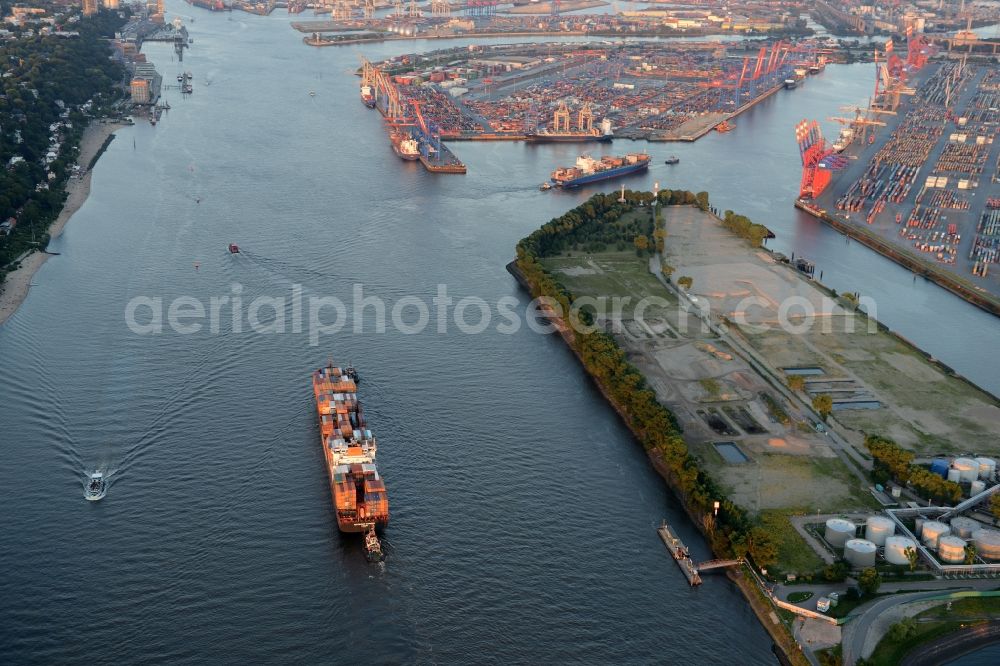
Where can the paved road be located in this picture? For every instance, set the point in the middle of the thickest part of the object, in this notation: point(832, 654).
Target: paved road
point(858, 631)
point(952, 645)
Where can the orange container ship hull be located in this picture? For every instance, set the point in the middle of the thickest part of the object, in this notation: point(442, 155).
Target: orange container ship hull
point(349, 448)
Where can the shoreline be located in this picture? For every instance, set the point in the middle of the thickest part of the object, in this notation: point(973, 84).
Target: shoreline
point(942, 277)
point(18, 282)
point(748, 588)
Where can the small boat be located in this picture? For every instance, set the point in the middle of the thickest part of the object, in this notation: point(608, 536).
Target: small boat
point(545, 186)
point(352, 373)
point(373, 549)
point(180, 77)
point(97, 487)
point(673, 159)
point(312, 93)
point(234, 248)
point(723, 127)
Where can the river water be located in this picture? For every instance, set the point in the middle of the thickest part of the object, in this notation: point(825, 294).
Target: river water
point(523, 512)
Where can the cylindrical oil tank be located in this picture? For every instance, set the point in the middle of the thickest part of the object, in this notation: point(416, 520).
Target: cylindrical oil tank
point(987, 467)
point(939, 466)
point(987, 544)
point(933, 530)
point(967, 467)
point(878, 528)
point(838, 531)
point(976, 488)
point(895, 549)
point(860, 553)
point(951, 549)
point(964, 527)
point(954, 475)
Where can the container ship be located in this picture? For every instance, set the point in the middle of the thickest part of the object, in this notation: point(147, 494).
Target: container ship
point(567, 137)
point(368, 96)
point(212, 5)
point(589, 170)
point(405, 146)
point(359, 495)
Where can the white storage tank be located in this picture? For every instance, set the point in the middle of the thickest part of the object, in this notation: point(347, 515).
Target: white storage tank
point(954, 475)
point(895, 549)
point(964, 527)
point(860, 553)
point(838, 531)
point(987, 544)
point(933, 530)
point(976, 488)
point(878, 529)
point(951, 550)
point(987, 467)
point(967, 467)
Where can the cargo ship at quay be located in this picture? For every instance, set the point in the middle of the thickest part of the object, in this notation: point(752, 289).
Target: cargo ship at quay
point(589, 170)
point(349, 449)
point(405, 146)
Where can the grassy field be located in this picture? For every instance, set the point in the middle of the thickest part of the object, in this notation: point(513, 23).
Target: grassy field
point(924, 409)
point(794, 554)
point(606, 274)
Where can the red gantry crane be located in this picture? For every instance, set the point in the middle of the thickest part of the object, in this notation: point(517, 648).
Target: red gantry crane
point(819, 159)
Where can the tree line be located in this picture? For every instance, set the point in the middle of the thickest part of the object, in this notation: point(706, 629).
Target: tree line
point(890, 461)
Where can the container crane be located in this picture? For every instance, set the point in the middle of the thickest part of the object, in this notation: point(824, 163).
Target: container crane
point(819, 159)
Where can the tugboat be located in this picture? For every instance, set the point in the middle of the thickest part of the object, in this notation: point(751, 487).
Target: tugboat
point(673, 159)
point(97, 487)
point(352, 373)
point(373, 549)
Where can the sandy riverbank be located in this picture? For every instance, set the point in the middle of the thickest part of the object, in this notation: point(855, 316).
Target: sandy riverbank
point(15, 287)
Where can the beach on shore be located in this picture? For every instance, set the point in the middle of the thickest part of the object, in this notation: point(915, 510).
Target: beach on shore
point(15, 287)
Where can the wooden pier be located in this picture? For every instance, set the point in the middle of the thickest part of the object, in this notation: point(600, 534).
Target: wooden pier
point(680, 554)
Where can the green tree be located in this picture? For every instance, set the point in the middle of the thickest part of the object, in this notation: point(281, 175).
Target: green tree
point(912, 556)
point(685, 282)
point(796, 382)
point(836, 572)
point(995, 505)
point(702, 199)
point(869, 581)
point(641, 244)
point(903, 630)
point(970, 553)
point(660, 235)
point(823, 404)
point(890, 461)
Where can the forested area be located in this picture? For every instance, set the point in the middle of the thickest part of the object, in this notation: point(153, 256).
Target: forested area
point(43, 76)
